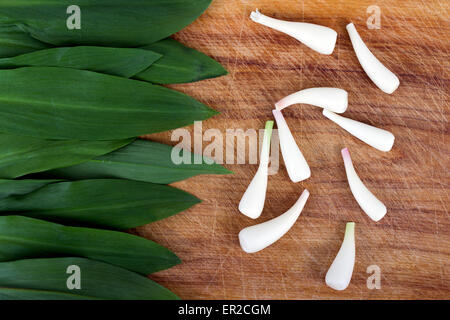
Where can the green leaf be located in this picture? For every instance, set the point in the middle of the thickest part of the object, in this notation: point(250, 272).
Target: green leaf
point(18, 187)
point(63, 103)
point(23, 155)
point(97, 279)
point(109, 203)
point(179, 64)
point(122, 62)
point(13, 42)
point(22, 238)
point(141, 160)
point(121, 23)
point(30, 294)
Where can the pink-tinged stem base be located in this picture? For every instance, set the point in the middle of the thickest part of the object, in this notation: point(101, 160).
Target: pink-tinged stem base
point(277, 115)
point(346, 155)
point(283, 103)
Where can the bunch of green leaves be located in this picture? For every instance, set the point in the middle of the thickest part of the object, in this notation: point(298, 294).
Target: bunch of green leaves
point(73, 103)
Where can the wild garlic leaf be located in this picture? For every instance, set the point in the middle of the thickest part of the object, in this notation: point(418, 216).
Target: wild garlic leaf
point(66, 104)
point(23, 238)
point(107, 203)
point(122, 62)
point(179, 64)
point(98, 280)
point(21, 155)
point(166, 61)
point(142, 160)
point(120, 23)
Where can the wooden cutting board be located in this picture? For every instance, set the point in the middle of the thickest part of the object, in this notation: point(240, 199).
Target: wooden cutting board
point(411, 245)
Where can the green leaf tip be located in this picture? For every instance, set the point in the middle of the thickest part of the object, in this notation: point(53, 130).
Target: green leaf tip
point(226, 171)
point(179, 64)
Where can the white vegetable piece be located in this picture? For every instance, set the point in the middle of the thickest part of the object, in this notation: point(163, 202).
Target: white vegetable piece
point(260, 236)
point(252, 202)
point(295, 162)
point(378, 138)
point(319, 38)
point(373, 207)
point(333, 99)
point(340, 273)
point(377, 72)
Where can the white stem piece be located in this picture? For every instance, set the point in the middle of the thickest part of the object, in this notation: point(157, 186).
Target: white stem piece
point(333, 99)
point(319, 38)
point(260, 236)
point(373, 207)
point(295, 162)
point(252, 202)
point(378, 138)
point(340, 273)
point(377, 72)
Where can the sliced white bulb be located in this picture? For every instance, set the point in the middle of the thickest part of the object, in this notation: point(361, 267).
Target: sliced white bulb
point(319, 38)
point(340, 273)
point(333, 99)
point(252, 202)
point(373, 207)
point(384, 78)
point(295, 162)
point(260, 236)
point(378, 138)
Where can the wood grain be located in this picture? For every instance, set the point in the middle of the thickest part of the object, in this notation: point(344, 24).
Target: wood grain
point(411, 244)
